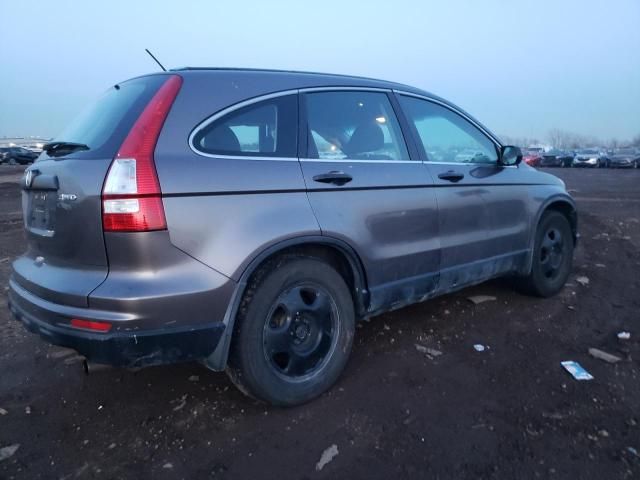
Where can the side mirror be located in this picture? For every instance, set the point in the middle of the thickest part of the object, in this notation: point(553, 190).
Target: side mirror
point(510, 155)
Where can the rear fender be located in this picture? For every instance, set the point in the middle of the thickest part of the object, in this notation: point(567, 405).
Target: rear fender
point(218, 359)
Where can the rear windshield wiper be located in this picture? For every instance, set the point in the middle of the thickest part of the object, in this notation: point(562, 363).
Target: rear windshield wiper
point(58, 147)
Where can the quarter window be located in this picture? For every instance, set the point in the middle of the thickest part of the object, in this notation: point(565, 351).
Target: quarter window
point(446, 136)
point(353, 125)
point(264, 129)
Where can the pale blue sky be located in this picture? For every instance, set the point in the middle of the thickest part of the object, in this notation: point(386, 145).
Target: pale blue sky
point(521, 67)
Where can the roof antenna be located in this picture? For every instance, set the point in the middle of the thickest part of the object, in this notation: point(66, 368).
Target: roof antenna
point(152, 56)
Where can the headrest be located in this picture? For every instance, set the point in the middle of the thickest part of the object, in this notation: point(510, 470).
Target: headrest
point(367, 137)
point(223, 139)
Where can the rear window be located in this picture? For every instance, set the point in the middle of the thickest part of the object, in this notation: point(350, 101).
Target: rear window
point(104, 125)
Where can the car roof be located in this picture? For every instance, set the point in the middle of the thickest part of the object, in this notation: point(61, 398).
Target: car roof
point(294, 79)
point(321, 79)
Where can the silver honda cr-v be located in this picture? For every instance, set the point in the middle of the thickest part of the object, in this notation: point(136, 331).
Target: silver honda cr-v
point(248, 218)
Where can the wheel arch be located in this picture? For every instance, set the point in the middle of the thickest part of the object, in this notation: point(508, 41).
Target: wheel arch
point(563, 204)
point(336, 252)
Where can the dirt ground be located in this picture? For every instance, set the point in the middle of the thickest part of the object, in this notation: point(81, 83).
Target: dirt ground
point(510, 411)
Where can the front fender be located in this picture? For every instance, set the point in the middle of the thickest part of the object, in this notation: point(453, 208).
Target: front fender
point(562, 202)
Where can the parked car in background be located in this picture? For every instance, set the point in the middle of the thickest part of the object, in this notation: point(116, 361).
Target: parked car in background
point(17, 155)
point(625, 158)
point(556, 158)
point(590, 157)
point(313, 202)
point(532, 157)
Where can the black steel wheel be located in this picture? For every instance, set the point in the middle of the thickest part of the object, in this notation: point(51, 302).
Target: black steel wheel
point(300, 330)
point(551, 252)
point(294, 331)
point(552, 256)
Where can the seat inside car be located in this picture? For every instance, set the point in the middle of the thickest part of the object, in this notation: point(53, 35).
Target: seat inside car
point(366, 139)
point(221, 138)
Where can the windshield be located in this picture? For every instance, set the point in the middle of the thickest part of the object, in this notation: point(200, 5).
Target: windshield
point(625, 151)
point(588, 152)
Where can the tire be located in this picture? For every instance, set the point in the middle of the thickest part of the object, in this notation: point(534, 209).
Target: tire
point(293, 333)
point(12, 161)
point(552, 256)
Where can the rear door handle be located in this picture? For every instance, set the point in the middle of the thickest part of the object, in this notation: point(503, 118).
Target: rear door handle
point(333, 177)
point(451, 176)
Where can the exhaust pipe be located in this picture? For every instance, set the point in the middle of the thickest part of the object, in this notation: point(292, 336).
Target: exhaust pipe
point(94, 367)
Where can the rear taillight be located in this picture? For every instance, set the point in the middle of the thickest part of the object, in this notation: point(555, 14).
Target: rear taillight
point(131, 196)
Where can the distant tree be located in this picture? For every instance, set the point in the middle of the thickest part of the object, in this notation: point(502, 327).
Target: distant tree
point(563, 139)
point(557, 138)
point(517, 141)
point(635, 142)
point(613, 143)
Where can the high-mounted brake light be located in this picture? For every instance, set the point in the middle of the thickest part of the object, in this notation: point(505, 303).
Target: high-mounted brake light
point(131, 196)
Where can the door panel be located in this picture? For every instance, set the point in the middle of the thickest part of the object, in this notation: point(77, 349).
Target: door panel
point(482, 206)
point(483, 222)
point(388, 213)
point(383, 212)
point(383, 204)
point(462, 217)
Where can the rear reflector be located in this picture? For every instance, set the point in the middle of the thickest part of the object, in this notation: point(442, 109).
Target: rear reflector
point(131, 196)
point(102, 327)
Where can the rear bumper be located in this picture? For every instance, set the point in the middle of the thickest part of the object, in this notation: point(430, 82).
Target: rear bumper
point(125, 348)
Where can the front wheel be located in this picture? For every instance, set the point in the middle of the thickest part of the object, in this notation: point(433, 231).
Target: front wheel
point(552, 256)
point(293, 333)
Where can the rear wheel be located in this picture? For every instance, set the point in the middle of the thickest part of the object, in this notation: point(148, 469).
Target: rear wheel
point(293, 333)
point(12, 161)
point(552, 256)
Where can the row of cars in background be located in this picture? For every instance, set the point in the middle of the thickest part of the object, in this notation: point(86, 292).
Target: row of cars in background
point(587, 157)
point(17, 155)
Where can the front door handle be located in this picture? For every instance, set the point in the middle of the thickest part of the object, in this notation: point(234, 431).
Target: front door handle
point(333, 177)
point(452, 176)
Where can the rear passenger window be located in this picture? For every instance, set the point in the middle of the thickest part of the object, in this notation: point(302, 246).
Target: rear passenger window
point(353, 125)
point(263, 129)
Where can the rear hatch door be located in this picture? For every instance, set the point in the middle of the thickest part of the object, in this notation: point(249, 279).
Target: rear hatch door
point(66, 257)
